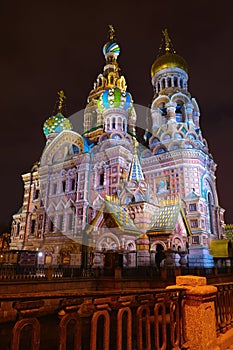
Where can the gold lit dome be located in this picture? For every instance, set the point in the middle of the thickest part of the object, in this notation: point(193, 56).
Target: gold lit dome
point(169, 59)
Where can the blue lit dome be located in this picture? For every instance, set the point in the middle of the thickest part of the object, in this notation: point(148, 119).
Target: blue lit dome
point(56, 124)
point(111, 47)
point(115, 98)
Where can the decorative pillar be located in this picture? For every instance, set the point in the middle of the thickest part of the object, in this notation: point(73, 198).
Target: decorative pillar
point(189, 111)
point(199, 319)
point(143, 250)
point(171, 111)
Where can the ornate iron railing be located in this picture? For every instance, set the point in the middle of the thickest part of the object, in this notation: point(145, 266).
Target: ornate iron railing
point(224, 307)
point(143, 320)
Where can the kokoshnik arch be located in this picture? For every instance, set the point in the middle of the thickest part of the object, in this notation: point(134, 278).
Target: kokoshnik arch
point(106, 190)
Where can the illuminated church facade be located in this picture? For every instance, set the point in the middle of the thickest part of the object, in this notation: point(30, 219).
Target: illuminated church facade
point(153, 200)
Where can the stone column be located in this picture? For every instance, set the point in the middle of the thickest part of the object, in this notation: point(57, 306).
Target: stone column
point(198, 311)
point(189, 111)
point(171, 111)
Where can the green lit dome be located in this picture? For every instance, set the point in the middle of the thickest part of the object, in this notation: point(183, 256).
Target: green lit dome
point(115, 98)
point(56, 124)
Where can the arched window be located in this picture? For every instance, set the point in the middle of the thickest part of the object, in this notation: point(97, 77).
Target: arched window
point(160, 150)
point(211, 208)
point(169, 82)
point(178, 136)
point(124, 125)
point(175, 80)
point(113, 123)
point(163, 83)
point(119, 123)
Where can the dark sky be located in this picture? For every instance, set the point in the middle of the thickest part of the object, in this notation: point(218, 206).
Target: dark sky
point(51, 45)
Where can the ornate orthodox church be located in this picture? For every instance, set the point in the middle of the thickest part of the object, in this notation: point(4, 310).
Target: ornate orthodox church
point(107, 190)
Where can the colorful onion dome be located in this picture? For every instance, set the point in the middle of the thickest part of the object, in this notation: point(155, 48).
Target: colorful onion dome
point(56, 124)
point(111, 47)
point(169, 60)
point(115, 98)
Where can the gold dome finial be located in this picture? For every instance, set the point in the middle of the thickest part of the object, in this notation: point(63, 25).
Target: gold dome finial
point(168, 42)
point(111, 32)
point(62, 97)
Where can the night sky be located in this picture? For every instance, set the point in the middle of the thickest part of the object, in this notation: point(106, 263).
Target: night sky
point(51, 45)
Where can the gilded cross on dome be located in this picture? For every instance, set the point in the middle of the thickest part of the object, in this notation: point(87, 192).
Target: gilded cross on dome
point(111, 32)
point(62, 97)
point(168, 42)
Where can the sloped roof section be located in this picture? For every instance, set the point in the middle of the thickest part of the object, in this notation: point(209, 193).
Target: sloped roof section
point(167, 219)
point(121, 216)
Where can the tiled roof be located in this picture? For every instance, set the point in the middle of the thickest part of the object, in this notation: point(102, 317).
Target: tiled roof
point(121, 216)
point(166, 219)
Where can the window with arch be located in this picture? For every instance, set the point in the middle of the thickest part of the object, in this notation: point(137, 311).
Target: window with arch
point(178, 136)
point(113, 123)
point(124, 125)
point(191, 137)
point(160, 150)
point(163, 84)
point(166, 137)
point(211, 209)
point(169, 82)
point(119, 123)
point(108, 123)
point(155, 141)
point(175, 81)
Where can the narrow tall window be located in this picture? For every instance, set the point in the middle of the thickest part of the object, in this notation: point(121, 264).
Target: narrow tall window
point(64, 186)
point(33, 226)
point(54, 188)
point(101, 179)
point(60, 222)
point(72, 184)
point(70, 221)
point(51, 224)
point(36, 194)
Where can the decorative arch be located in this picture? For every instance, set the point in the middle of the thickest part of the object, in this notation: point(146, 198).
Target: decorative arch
point(160, 99)
point(120, 314)
point(188, 144)
point(18, 327)
point(64, 139)
point(209, 186)
point(159, 150)
point(146, 154)
point(153, 141)
point(106, 240)
point(63, 331)
point(106, 329)
point(131, 244)
point(174, 146)
point(116, 135)
point(179, 96)
point(177, 242)
point(154, 245)
point(166, 137)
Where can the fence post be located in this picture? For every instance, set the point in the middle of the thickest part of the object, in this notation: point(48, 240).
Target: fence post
point(198, 312)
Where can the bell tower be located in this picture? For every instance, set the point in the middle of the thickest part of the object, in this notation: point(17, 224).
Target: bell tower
point(183, 160)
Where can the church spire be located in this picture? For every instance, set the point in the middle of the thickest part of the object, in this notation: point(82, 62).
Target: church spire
point(135, 172)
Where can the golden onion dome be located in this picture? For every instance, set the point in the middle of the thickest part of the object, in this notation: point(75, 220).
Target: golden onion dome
point(168, 60)
point(167, 57)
